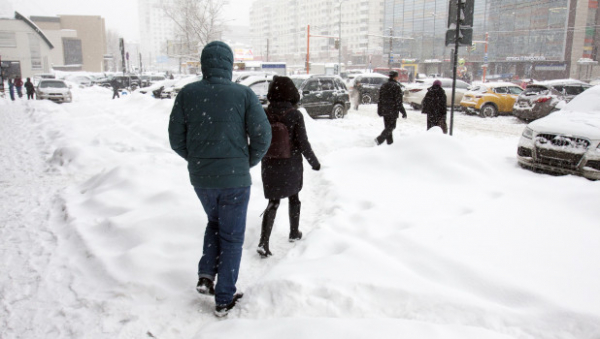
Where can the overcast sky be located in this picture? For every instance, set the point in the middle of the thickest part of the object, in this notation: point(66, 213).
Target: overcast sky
point(120, 15)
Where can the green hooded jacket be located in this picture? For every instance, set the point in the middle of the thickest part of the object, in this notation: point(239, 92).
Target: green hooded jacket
point(219, 126)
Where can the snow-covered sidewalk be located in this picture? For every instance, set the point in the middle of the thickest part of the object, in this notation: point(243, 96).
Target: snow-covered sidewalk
point(432, 237)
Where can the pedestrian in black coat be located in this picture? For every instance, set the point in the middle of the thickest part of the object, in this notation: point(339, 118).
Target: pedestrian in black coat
point(434, 105)
point(29, 88)
point(283, 178)
point(116, 85)
point(389, 107)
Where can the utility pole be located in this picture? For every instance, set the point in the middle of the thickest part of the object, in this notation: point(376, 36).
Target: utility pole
point(340, 40)
point(308, 49)
point(390, 55)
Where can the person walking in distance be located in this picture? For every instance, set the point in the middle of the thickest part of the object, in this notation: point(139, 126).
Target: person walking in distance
point(116, 85)
point(221, 130)
point(389, 107)
point(434, 105)
point(11, 89)
point(281, 168)
point(19, 86)
point(29, 89)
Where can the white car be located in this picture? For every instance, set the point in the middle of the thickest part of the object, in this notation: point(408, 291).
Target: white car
point(415, 92)
point(260, 85)
point(53, 89)
point(80, 80)
point(172, 91)
point(567, 141)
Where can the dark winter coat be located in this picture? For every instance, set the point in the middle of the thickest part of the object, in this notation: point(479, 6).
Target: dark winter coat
point(282, 178)
point(390, 100)
point(29, 87)
point(219, 126)
point(434, 103)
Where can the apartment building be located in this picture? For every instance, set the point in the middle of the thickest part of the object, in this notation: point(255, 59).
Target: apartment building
point(279, 30)
point(156, 30)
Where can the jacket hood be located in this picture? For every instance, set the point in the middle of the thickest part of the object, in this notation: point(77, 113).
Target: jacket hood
point(217, 60)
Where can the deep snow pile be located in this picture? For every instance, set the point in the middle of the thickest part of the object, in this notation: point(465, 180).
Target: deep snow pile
point(431, 237)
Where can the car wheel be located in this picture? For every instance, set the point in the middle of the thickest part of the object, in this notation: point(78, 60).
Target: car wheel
point(337, 112)
point(488, 111)
point(366, 99)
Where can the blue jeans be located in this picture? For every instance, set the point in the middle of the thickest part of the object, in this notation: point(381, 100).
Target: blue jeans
point(226, 210)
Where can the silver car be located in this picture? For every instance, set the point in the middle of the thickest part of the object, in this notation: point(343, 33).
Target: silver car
point(53, 89)
point(415, 93)
point(565, 142)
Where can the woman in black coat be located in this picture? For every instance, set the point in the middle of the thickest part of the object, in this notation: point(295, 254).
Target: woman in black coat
point(282, 177)
point(434, 105)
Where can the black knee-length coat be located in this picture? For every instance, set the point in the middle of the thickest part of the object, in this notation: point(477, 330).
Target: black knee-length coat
point(282, 178)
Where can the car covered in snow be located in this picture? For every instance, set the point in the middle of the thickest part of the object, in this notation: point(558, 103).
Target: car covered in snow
point(53, 89)
point(540, 99)
point(415, 92)
point(173, 90)
point(537, 101)
point(567, 141)
point(491, 99)
point(323, 95)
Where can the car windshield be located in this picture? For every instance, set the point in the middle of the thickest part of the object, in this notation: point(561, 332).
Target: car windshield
point(52, 84)
point(298, 82)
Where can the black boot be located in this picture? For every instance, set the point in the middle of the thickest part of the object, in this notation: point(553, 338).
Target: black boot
point(295, 234)
point(265, 231)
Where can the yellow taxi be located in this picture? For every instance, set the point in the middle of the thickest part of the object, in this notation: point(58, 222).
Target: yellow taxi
point(491, 98)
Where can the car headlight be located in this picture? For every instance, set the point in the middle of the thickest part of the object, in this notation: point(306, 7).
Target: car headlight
point(528, 133)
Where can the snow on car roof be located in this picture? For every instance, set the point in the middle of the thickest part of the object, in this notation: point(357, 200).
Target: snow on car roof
point(252, 79)
point(587, 101)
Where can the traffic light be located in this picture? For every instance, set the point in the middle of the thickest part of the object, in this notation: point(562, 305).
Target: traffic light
point(336, 44)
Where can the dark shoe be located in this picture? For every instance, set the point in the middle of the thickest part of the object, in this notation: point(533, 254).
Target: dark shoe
point(294, 236)
point(263, 250)
point(378, 141)
point(205, 286)
point(223, 310)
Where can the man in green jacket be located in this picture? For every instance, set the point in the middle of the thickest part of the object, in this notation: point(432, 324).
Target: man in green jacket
point(221, 129)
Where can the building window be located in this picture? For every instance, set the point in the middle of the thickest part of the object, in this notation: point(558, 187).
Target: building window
point(35, 51)
point(8, 39)
point(72, 51)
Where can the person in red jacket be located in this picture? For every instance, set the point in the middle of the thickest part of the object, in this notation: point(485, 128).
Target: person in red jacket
point(19, 86)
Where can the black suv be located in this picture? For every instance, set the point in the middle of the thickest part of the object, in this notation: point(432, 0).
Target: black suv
point(323, 95)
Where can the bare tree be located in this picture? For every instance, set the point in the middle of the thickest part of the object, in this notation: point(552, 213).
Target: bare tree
point(197, 23)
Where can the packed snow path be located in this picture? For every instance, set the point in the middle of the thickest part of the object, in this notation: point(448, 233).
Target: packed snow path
point(432, 237)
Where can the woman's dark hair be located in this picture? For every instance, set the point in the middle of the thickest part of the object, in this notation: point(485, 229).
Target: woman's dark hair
point(283, 89)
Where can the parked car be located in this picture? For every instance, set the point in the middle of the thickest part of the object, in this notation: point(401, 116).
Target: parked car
point(565, 142)
point(491, 98)
point(147, 80)
point(537, 101)
point(415, 92)
point(53, 89)
point(172, 91)
point(241, 76)
point(80, 79)
point(370, 83)
point(323, 95)
point(568, 87)
point(260, 85)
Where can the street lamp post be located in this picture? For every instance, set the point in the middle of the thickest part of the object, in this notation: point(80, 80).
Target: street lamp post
point(340, 39)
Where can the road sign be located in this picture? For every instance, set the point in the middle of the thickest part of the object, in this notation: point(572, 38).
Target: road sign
point(465, 36)
point(466, 8)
